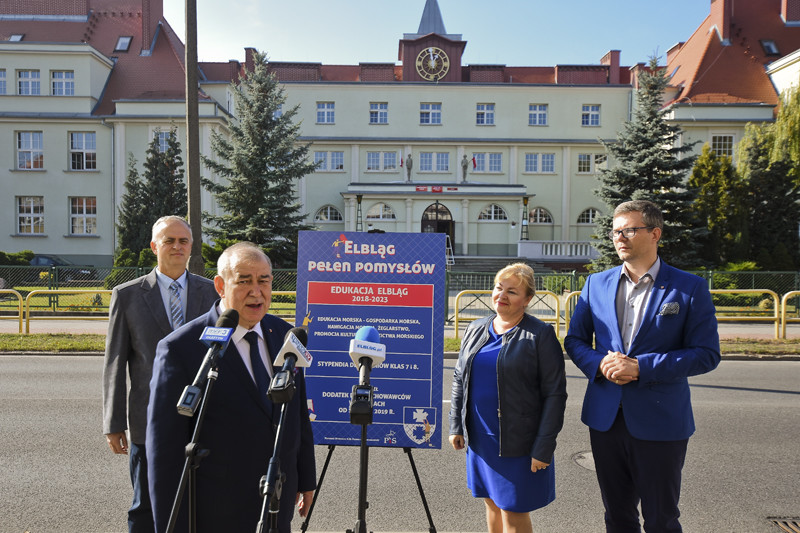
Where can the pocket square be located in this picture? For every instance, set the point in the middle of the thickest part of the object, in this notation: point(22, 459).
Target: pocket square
point(670, 308)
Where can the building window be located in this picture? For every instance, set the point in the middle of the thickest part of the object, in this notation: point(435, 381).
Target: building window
point(28, 82)
point(63, 83)
point(326, 113)
point(722, 145)
point(590, 115)
point(484, 115)
point(381, 161)
point(278, 113)
point(329, 161)
point(123, 44)
point(584, 163)
point(434, 162)
point(380, 211)
point(2, 81)
point(378, 113)
point(588, 216)
point(83, 151)
point(30, 150)
point(16, 37)
point(770, 48)
point(540, 215)
point(430, 113)
point(488, 162)
point(540, 163)
point(83, 215)
point(493, 212)
point(163, 140)
point(328, 213)
point(30, 215)
point(537, 115)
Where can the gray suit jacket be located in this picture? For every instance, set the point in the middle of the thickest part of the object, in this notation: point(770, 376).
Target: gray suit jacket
point(137, 321)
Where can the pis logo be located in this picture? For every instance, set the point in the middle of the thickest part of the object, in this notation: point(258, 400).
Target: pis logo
point(390, 438)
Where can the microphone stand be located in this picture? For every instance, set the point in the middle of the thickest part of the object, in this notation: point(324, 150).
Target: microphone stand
point(281, 391)
point(194, 454)
point(361, 413)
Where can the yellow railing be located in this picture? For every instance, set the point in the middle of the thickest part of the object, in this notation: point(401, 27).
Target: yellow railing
point(19, 306)
point(784, 318)
point(49, 293)
point(775, 318)
point(556, 319)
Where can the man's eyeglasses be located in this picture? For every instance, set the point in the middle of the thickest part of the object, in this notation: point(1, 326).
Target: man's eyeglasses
point(626, 232)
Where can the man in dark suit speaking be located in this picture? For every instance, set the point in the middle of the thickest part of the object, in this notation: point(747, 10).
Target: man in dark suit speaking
point(240, 420)
point(638, 332)
point(141, 313)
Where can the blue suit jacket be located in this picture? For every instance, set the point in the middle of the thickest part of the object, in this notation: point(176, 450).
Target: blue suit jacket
point(678, 338)
point(239, 430)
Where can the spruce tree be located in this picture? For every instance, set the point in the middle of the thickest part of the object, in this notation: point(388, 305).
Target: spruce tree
point(165, 186)
point(259, 165)
point(650, 164)
point(133, 223)
point(720, 209)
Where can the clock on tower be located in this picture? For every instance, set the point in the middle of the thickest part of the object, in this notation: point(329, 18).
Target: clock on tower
point(432, 63)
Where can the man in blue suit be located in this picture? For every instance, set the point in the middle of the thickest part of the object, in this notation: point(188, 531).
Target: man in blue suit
point(240, 421)
point(653, 326)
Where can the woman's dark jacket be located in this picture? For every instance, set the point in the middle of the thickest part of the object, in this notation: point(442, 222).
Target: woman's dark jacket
point(531, 384)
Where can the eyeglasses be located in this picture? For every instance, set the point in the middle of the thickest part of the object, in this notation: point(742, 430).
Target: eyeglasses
point(626, 232)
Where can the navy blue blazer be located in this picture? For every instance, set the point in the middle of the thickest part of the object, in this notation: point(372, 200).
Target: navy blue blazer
point(238, 429)
point(678, 338)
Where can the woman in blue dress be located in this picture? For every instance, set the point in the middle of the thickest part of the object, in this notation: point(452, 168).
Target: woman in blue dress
point(508, 400)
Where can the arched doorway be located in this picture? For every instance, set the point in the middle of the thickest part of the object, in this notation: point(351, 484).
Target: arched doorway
point(438, 219)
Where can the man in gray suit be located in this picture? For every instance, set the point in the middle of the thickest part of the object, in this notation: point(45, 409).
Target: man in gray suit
point(141, 313)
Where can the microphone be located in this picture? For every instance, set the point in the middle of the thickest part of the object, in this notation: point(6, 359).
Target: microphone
point(367, 352)
point(217, 339)
point(292, 354)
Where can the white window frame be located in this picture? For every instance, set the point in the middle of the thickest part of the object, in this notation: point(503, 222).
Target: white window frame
point(378, 161)
point(716, 143)
point(585, 164)
point(29, 83)
point(31, 144)
point(62, 83)
point(30, 215)
point(538, 114)
point(330, 160)
point(326, 112)
point(493, 213)
point(589, 216)
point(379, 112)
point(540, 163)
point(83, 215)
point(381, 211)
point(328, 214)
point(540, 215)
point(590, 115)
point(484, 114)
point(434, 162)
point(3, 87)
point(488, 162)
point(430, 113)
point(83, 145)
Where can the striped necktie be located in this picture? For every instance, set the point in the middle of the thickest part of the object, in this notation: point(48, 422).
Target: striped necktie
point(175, 307)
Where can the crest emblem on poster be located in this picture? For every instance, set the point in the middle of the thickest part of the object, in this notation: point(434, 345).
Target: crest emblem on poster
point(419, 423)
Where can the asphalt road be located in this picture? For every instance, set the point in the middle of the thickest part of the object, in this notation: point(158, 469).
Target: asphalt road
point(58, 475)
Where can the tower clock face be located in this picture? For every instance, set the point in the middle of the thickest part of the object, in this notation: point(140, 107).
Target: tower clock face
point(432, 64)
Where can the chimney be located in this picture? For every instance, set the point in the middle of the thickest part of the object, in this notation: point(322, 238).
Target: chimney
point(721, 11)
point(152, 13)
point(790, 12)
point(612, 60)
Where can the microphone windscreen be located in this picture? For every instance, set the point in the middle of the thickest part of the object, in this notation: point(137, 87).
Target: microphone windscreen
point(300, 333)
point(368, 333)
point(228, 319)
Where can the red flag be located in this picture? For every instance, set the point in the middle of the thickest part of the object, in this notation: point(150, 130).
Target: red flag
point(401, 162)
point(474, 163)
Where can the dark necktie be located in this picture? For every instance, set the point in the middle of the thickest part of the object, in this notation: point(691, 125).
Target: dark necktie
point(259, 370)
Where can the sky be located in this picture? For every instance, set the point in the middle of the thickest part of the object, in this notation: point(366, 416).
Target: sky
point(507, 32)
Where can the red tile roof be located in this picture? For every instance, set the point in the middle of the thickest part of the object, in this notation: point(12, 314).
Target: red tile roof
point(710, 72)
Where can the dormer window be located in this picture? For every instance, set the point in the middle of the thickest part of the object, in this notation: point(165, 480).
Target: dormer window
point(123, 44)
point(16, 37)
point(770, 48)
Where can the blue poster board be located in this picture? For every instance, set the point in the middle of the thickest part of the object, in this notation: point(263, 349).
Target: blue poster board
point(394, 282)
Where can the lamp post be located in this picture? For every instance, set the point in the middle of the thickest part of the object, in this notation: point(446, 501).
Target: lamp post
point(359, 223)
point(524, 231)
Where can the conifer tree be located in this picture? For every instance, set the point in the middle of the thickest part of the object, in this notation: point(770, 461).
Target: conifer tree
point(164, 183)
point(720, 208)
point(259, 166)
point(650, 164)
point(133, 223)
